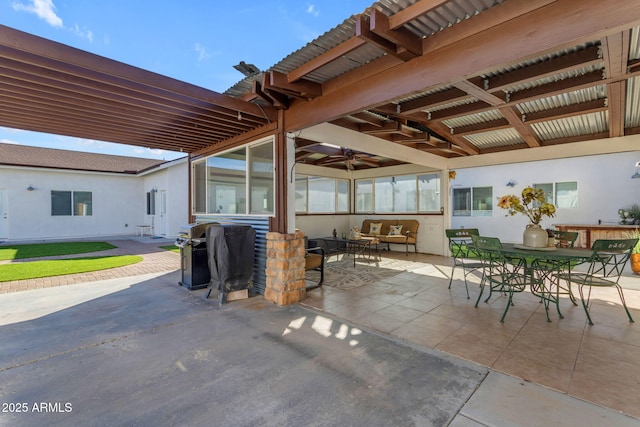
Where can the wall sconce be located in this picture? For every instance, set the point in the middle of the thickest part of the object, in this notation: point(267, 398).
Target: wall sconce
point(30, 187)
point(511, 183)
point(636, 175)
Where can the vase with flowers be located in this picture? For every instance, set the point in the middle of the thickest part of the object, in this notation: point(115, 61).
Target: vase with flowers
point(533, 204)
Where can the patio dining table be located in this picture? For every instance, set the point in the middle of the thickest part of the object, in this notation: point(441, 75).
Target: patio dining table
point(355, 247)
point(544, 266)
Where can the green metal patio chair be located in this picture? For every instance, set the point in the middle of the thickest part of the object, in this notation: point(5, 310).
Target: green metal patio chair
point(463, 253)
point(504, 274)
point(606, 264)
point(565, 239)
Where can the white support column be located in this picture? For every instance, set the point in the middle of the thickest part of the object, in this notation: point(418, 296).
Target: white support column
point(291, 179)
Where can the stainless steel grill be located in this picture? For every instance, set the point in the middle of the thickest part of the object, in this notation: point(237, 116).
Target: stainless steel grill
point(194, 233)
point(192, 241)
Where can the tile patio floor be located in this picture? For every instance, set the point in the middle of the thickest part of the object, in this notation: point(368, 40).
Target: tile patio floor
point(596, 363)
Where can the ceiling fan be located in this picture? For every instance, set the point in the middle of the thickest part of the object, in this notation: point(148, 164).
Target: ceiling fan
point(349, 158)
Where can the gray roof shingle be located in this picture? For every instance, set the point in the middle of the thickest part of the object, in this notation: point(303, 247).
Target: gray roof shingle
point(26, 156)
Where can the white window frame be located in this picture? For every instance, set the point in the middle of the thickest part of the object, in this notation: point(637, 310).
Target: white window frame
point(196, 189)
point(338, 197)
point(553, 198)
point(377, 182)
point(474, 205)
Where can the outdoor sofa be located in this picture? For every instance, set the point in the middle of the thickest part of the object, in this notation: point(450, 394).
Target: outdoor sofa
point(397, 231)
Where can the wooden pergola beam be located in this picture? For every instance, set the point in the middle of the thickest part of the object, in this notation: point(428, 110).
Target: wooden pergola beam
point(326, 58)
point(113, 72)
point(363, 31)
point(401, 37)
point(301, 88)
point(615, 50)
point(531, 35)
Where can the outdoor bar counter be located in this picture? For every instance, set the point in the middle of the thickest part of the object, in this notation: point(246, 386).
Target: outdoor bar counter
point(588, 233)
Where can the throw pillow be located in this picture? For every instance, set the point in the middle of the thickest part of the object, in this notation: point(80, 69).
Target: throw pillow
point(396, 230)
point(375, 227)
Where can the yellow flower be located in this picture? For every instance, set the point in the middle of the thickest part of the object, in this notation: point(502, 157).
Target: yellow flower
point(504, 202)
point(533, 204)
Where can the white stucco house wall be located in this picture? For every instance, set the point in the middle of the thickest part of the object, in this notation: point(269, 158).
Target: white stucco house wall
point(48, 194)
point(604, 184)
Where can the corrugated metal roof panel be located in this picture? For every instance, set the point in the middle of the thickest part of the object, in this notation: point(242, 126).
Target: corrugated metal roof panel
point(634, 48)
point(441, 17)
point(556, 77)
point(243, 86)
point(564, 99)
point(472, 119)
point(431, 91)
point(586, 124)
point(324, 43)
point(541, 59)
point(495, 139)
point(632, 114)
point(465, 101)
point(434, 21)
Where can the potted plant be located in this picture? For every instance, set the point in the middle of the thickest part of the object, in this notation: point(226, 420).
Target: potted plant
point(634, 213)
point(533, 204)
point(634, 259)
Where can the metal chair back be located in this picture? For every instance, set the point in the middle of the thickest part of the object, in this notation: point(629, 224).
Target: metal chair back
point(504, 274)
point(565, 239)
point(606, 264)
point(462, 252)
point(460, 240)
point(610, 257)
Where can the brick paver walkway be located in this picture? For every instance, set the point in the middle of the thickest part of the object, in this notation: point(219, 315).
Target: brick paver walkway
point(154, 260)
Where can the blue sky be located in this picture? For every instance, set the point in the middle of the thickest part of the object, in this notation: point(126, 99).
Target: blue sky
point(197, 41)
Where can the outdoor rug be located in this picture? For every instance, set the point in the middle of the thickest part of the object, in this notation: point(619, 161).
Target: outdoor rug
point(339, 271)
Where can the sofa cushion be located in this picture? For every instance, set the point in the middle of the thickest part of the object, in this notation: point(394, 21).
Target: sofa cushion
point(395, 230)
point(407, 230)
point(375, 228)
point(312, 261)
point(408, 225)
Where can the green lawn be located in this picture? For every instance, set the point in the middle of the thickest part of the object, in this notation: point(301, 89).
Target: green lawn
point(10, 252)
point(36, 269)
point(172, 248)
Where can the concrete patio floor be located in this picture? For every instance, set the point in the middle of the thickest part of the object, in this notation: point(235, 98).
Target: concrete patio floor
point(138, 349)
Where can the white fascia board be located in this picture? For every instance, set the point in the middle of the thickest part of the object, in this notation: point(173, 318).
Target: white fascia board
point(551, 152)
point(67, 171)
point(336, 135)
point(165, 165)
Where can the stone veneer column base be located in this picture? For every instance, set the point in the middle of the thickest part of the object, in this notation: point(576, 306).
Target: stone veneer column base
point(285, 272)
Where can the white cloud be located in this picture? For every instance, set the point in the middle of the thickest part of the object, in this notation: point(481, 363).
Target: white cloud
point(148, 152)
point(203, 55)
point(312, 10)
point(44, 9)
point(82, 33)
